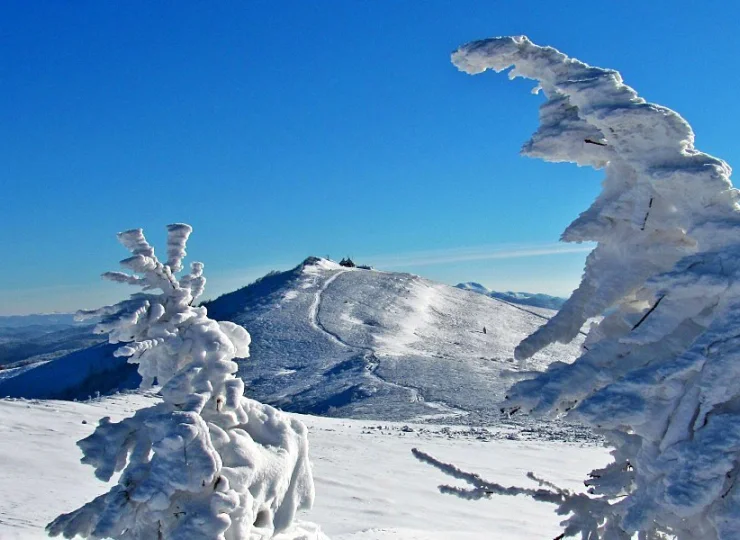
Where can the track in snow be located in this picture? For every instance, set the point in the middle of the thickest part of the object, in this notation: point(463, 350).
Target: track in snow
point(313, 311)
point(372, 362)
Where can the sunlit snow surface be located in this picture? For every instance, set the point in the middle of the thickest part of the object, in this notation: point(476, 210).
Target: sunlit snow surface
point(368, 344)
point(368, 485)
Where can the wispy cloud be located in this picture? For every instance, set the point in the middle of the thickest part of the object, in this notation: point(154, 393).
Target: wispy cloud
point(70, 297)
point(478, 253)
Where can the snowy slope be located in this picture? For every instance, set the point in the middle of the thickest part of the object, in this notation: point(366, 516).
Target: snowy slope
point(78, 375)
point(345, 342)
point(368, 485)
point(369, 344)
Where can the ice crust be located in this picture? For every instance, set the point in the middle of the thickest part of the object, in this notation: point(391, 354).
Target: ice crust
point(660, 374)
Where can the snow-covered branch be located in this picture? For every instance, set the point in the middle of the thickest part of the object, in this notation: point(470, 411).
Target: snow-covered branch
point(587, 514)
point(660, 374)
point(483, 488)
point(662, 199)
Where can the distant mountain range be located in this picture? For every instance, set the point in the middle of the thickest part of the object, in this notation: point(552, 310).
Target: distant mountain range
point(28, 339)
point(40, 319)
point(344, 341)
point(523, 298)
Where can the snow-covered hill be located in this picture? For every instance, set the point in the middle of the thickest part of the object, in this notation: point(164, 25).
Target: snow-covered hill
point(346, 342)
point(369, 344)
point(368, 485)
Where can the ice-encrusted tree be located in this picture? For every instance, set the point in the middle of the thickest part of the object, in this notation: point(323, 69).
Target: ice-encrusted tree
point(659, 376)
point(206, 462)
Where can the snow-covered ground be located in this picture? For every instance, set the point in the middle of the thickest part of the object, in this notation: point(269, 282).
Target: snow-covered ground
point(369, 487)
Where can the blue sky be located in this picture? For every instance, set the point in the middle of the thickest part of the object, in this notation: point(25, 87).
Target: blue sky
point(284, 129)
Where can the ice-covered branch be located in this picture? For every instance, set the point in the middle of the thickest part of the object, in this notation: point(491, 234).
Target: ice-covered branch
point(661, 200)
point(587, 516)
point(177, 237)
point(482, 488)
point(660, 374)
point(206, 462)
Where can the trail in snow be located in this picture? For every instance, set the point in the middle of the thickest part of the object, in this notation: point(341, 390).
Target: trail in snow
point(372, 362)
point(313, 310)
point(372, 367)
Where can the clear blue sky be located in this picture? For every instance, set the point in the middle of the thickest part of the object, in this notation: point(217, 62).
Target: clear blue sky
point(284, 129)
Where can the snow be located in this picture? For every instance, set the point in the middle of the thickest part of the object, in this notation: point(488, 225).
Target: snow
point(369, 487)
point(33, 338)
point(370, 344)
point(659, 375)
point(79, 375)
point(417, 308)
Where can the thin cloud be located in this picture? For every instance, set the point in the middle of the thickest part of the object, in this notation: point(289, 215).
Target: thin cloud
point(480, 253)
point(71, 297)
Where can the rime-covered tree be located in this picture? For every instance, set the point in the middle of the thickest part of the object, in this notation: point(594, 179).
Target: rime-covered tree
point(206, 462)
point(659, 376)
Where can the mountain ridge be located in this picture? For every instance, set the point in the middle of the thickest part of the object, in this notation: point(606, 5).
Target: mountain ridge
point(539, 300)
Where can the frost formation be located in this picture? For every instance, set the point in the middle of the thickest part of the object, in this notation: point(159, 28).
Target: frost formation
point(206, 462)
point(660, 375)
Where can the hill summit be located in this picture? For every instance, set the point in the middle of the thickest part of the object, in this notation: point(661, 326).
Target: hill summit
point(345, 341)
